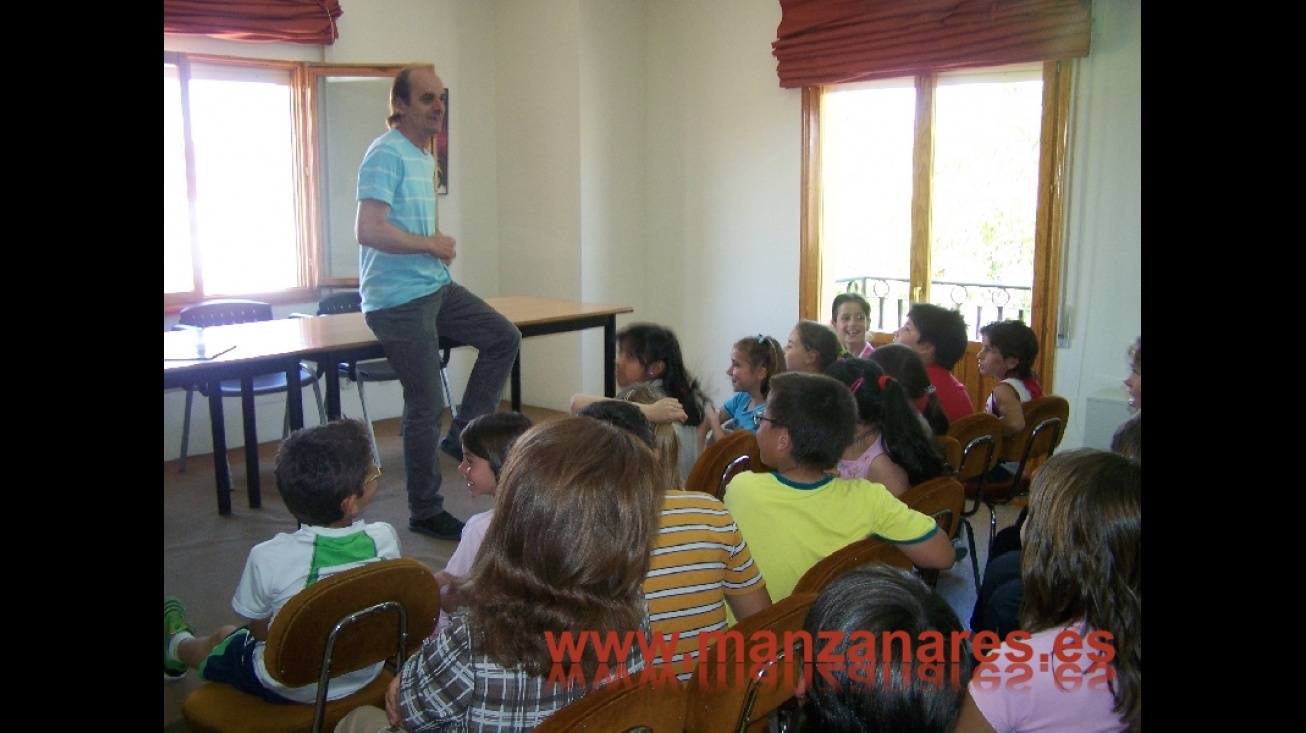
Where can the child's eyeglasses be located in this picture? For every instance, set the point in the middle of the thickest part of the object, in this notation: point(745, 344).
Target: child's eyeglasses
point(759, 417)
point(377, 477)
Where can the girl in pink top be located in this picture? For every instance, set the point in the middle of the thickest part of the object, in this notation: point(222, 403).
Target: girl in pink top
point(891, 446)
point(1078, 663)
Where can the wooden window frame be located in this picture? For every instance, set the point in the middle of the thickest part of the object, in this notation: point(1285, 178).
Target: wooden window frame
point(304, 78)
point(1048, 228)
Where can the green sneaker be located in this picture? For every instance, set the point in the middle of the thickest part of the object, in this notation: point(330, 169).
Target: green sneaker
point(174, 620)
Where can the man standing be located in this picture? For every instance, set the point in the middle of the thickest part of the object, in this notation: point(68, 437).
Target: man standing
point(410, 299)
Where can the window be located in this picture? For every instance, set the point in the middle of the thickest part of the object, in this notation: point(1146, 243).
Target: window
point(942, 188)
point(246, 209)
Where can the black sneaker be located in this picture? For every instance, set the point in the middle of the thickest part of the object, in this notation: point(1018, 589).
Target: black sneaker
point(443, 526)
point(452, 448)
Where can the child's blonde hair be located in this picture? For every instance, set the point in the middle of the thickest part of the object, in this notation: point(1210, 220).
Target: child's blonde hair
point(665, 441)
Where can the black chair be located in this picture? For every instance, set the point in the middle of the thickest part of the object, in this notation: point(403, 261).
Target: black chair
point(378, 370)
point(224, 312)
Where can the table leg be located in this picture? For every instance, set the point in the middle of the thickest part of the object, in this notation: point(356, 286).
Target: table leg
point(295, 397)
point(610, 357)
point(516, 382)
point(331, 374)
point(251, 442)
point(221, 469)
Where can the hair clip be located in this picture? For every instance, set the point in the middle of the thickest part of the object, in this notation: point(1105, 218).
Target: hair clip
point(761, 338)
point(856, 384)
point(884, 380)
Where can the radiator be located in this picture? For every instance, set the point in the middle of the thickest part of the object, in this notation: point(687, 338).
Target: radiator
point(1103, 412)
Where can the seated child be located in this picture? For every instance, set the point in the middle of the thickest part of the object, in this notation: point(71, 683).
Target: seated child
point(878, 694)
point(939, 335)
point(700, 563)
point(904, 364)
point(666, 444)
point(326, 476)
point(850, 316)
point(1082, 570)
point(799, 514)
point(566, 552)
point(812, 347)
point(649, 353)
point(892, 446)
point(754, 360)
point(485, 441)
point(1007, 355)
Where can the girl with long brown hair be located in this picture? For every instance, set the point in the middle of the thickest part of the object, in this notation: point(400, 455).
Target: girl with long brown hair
point(566, 553)
point(1082, 568)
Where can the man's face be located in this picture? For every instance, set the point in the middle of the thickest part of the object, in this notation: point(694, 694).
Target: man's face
point(423, 114)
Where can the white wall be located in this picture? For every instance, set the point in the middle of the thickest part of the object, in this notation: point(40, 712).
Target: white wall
point(644, 153)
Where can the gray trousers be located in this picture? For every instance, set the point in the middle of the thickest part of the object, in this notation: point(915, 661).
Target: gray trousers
point(410, 334)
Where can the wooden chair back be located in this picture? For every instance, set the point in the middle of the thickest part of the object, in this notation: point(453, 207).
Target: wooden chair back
point(979, 436)
point(623, 708)
point(950, 449)
point(728, 691)
point(854, 555)
point(722, 460)
point(1046, 418)
point(943, 499)
point(378, 612)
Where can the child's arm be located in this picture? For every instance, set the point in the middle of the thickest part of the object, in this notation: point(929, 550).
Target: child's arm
point(1010, 411)
point(746, 605)
point(667, 409)
point(935, 553)
point(258, 628)
point(714, 420)
point(884, 471)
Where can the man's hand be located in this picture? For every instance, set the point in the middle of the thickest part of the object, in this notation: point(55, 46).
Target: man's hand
point(444, 248)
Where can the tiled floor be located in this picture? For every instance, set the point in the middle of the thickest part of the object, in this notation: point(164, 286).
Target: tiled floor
point(204, 553)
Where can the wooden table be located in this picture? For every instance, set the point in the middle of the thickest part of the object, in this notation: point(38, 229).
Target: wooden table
point(281, 344)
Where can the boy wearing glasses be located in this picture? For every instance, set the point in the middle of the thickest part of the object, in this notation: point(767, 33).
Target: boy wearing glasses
point(800, 513)
point(326, 476)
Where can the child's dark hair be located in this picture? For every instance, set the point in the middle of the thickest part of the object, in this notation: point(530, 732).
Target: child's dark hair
point(882, 400)
point(857, 298)
point(944, 328)
point(623, 414)
point(1136, 355)
point(650, 343)
point(820, 338)
point(1014, 340)
point(491, 435)
point(819, 413)
point(320, 466)
point(905, 364)
point(885, 692)
point(762, 351)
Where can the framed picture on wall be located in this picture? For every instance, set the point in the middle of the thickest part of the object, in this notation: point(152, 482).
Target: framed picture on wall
point(442, 151)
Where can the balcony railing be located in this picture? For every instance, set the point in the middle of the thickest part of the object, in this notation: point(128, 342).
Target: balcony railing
point(980, 303)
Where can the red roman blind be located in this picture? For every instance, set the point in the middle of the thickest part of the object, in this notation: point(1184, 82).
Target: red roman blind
point(823, 42)
point(291, 21)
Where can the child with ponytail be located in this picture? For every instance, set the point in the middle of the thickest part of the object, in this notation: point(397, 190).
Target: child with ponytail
point(891, 445)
